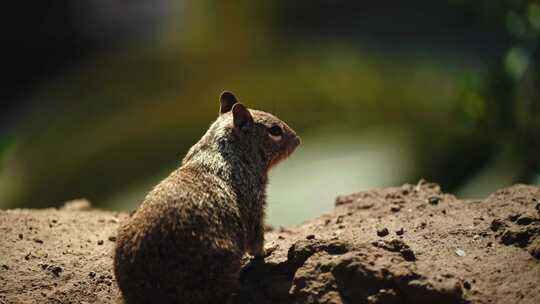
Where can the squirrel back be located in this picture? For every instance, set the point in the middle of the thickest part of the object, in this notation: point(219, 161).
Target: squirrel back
point(186, 240)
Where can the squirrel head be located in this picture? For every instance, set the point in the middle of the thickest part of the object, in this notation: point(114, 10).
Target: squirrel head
point(257, 132)
point(244, 137)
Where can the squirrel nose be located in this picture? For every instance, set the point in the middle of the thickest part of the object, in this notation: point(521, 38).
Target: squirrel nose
point(297, 140)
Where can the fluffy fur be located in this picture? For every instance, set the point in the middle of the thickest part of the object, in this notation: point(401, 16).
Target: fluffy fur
point(185, 242)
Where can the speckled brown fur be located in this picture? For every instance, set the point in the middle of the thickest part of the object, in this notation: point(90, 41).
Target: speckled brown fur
point(185, 242)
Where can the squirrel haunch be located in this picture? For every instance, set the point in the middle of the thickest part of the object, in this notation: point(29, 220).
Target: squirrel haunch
point(186, 240)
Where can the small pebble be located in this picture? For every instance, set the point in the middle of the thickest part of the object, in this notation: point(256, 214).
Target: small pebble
point(395, 208)
point(434, 200)
point(382, 232)
point(460, 253)
point(100, 242)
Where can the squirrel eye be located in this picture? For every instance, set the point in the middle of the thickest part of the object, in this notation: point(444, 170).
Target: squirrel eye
point(275, 131)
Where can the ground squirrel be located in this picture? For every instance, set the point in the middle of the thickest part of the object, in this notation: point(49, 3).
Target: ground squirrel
point(185, 242)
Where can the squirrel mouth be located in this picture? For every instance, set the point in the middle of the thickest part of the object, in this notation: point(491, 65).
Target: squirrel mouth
point(290, 149)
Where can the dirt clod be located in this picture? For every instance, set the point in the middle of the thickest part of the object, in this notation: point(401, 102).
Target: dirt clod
point(525, 220)
point(56, 270)
point(519, 238)
point(382, 232)
point(408, 254)
point(497, 224)
point(514, 217)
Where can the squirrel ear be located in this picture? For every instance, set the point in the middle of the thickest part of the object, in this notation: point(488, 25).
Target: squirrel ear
point(227, 101)
point(241, 116)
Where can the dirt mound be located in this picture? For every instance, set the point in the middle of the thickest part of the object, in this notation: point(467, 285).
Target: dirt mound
point(412, 244)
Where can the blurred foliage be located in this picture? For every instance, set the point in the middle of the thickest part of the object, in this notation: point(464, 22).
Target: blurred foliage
point(130, 114)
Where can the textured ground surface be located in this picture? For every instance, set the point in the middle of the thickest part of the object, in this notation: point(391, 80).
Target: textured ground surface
point(411, 244)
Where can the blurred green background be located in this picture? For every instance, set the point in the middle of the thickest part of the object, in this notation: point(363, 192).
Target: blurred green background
point(103, 98)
